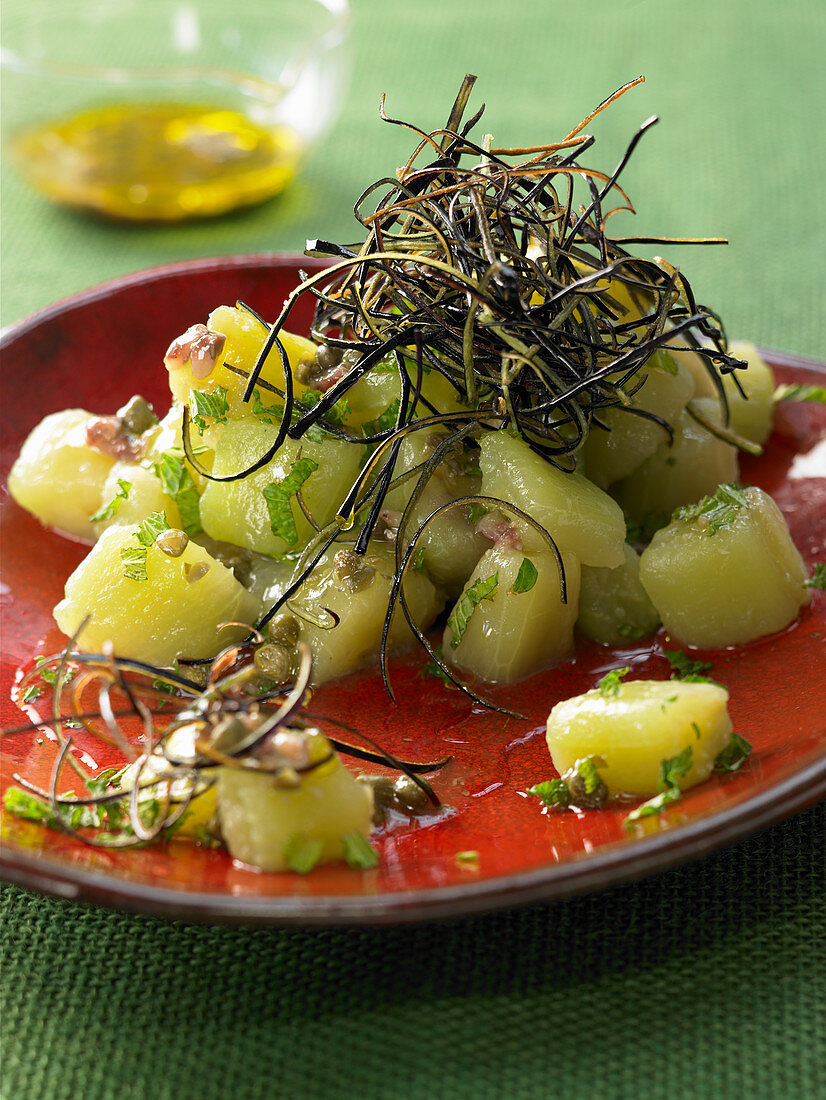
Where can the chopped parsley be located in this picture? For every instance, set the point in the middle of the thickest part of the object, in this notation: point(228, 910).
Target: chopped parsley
point(526, 577)
point(818, 577)
point(359, 852)
point(671, 772)
point(611, 684)
point(800, 393)
point(433, 668)
point(715, 511)
point(302, 854)
point(178, 484)
point(736, 753)
point(476, 511)
point(213, 405)
point(279, 494)
point(482, 589)
point(646, 528)
point(468, 859)
point(111, 508)
point(31, 693)
point(683, 668)
point(553, 793)
point(134, 557)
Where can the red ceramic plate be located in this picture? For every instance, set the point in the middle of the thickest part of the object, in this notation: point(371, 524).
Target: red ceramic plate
point(95, 351)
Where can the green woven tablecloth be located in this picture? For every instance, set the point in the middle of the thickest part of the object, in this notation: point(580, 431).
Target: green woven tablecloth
point(708, 981)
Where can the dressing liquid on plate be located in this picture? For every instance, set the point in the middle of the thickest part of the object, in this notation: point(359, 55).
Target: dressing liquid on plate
point(158, 161)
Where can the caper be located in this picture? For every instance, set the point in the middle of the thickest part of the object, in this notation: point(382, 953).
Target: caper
point(586, 800)
point(194, 572)
point(328, 357)
point(137, 415)
point(384, 795)
point(411, 796)
point(351, 572)
point(274, 661)
point(284, 630)
point(228, 733)
point(172, 542)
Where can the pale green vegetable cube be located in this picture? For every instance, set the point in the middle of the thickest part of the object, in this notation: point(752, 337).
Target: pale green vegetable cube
point(630, 733)
point(357, 590)
point(143, 495)
point(613, 605)
point(683, 471)
point(750, 416)
point(262, 821)
point(666, 388)
point(580, 517)
point(237, 511)
point(512, 634)
point(450, 545)
point(725, 571)
point(175, 612)
point(58, 476)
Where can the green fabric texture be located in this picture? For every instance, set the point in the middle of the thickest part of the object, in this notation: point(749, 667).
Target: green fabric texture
point(706, 981)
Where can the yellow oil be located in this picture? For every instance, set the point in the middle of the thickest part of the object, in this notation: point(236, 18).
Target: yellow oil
point(157, 161)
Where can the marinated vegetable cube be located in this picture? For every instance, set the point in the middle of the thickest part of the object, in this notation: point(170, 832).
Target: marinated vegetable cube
point(232, 337)
point(750, 416)
point(356, 590)
point(579, 517)
point(267, 824)
point(683, 471)
point(631, 731)
point(174, 611)
point(613, 605)
point(58, 476)
point(725, 571)
point(239, 511)
point(665, 388)
point(510, 620)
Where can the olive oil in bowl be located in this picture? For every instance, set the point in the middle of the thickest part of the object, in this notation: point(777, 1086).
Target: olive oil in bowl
point(158, 162)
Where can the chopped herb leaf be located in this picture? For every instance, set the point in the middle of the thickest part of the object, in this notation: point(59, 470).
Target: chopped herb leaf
point(476, 511)
point(553, 792)
point(279, 494)
point(736, 752)
point(432, 668)
point(418, 561)
point(587, 771)
point(178, 484)
point(111, 508)
point(359, 852)
point(683, 668)
point(526, 577)
point(632, 633)
point(468, 859)
point(800, 393)
point(610, 685)
point(28, 806)
point(482, 589)
point(134, 557)
point(31, 693)
point(213, 405)
point(671, 771)
point(818, 577)
point(715, 511)
point(302, 854)
point(267, 414)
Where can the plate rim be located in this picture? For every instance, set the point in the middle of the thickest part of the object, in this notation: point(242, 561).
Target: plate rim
point(591, 872)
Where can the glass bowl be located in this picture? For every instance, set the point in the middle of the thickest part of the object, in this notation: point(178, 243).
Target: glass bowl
point(162, 110)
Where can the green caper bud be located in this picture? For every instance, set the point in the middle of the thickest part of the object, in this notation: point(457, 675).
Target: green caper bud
point(350, 571)
point(585, 799)
point(274, 661)
point(384, 795)
point(228, 733)
point(194, 572)
point(284, 630)
point(410, 795)
point(172, 542)
point(137, 415)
